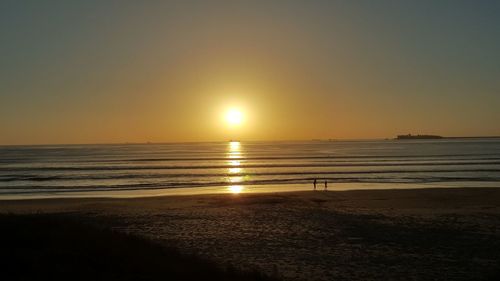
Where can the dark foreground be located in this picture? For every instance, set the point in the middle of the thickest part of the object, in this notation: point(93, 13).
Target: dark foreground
point(432, 234)
point(58, 247)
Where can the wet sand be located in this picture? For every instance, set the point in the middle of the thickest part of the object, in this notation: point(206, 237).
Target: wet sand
point(420, 234)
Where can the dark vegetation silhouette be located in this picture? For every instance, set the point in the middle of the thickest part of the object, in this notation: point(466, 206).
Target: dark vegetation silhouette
point(58, 247)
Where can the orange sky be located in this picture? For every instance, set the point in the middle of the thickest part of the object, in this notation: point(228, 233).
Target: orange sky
point(98, 72)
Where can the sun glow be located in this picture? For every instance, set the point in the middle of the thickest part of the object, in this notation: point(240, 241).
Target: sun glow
point(234, 117)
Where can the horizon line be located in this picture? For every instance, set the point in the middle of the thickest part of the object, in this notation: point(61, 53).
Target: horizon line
point(220, 141)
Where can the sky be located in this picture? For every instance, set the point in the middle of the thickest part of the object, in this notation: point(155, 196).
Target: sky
point(168, 71)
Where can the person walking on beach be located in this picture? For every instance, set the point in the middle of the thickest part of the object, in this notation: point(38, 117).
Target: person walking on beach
point(326, 185)
point(314, 184)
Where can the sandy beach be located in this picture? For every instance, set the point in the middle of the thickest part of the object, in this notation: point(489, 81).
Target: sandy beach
point(420, 234)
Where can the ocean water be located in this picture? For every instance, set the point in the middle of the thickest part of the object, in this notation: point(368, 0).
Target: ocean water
point(78, 168)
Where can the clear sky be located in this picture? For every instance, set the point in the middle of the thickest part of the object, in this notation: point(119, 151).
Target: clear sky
point(137, 71)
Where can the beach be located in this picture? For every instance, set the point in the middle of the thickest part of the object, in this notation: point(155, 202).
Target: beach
point(417, 234)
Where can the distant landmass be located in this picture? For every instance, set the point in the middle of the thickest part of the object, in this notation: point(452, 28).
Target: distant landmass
point(434, 137)
point(418, 137)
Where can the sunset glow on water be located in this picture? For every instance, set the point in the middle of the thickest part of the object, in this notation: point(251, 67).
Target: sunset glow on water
point(45, 169)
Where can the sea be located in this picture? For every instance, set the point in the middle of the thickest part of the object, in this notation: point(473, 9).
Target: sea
point(58, 170)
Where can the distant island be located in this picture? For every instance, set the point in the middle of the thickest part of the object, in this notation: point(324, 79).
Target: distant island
point(435, 137)
point(418, 137)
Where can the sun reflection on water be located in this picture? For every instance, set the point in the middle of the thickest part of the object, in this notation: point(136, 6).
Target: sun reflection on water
point(235, 170)
point(235, 151)
point(235, 179)
point(235, 188)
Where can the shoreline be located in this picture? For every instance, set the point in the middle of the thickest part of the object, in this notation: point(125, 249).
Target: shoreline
point(428, 200)
point(235, 189)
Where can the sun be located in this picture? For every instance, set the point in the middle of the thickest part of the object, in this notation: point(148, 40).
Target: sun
point(234, 116)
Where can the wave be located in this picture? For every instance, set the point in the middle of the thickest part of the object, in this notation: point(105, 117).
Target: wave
point(77, 168)
point(34, 177)
point(375, 158)
point(185, 167)
point(331, 181)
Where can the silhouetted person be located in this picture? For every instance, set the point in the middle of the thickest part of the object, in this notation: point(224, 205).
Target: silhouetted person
point(314, 184)
point(326, 185)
